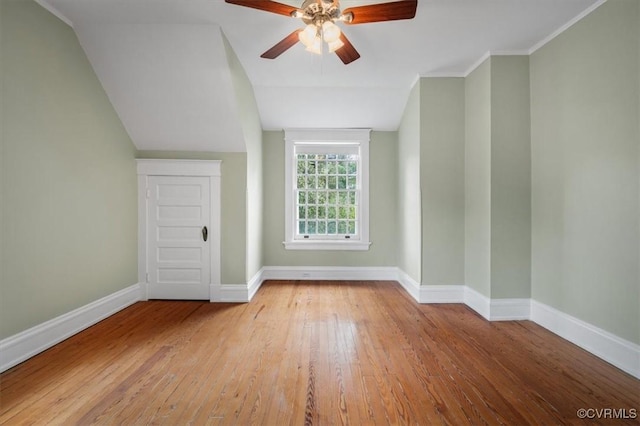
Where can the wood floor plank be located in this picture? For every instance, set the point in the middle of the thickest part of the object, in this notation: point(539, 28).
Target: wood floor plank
point(312, 352)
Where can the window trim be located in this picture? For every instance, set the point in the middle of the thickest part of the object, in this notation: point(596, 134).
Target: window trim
point(351, 136)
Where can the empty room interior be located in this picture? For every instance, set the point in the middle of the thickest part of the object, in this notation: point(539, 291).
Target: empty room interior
point(320, 212)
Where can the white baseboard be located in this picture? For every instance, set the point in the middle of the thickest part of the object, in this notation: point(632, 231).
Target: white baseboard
point(430, 293)
point(491, 309)
point(330, 273)
point(237, 293)
point(24, 345)
point(409, 284)
point(509, 309)
point(442, 294)
point(478, 302)
point(233, 293)
point(619, 352)
point(215, 293)
point(255, 283)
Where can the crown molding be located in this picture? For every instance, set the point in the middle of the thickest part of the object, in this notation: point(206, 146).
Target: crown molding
point(443, 75)
point(55, 12)
point(566, 26)
point(527, 52)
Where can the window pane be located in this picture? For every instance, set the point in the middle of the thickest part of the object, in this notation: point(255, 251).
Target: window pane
point(311, 227)
point(342, 227)
point(331, 227)
point(352, 213)
point(311, 212)
point(352, 198)
point(312, 197)
point(322, 182)
point(322, 212)
point(311, 167)
point(332, 182)
point(352, 227)
point(322, 227)
point(333, 197)
point(301, 227)
point(343, 213)
point(302, 197)
point(301, 181)
point(311, 182)
point(301, 212)
point(342, 182)
point(352, 167)
point(322, 167)
point(331, 213)
point(343, 197)
point(331, 167)
point(302, 168)
point(351, 182)
point(342, 167)
point(321, 197)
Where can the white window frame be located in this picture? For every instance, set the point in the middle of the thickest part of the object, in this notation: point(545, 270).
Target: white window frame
point(359, 137)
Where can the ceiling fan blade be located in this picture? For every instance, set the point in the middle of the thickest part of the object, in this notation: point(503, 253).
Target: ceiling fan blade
point(266, 5)
point(347, 53)
point(394, 11)
point(282, 46)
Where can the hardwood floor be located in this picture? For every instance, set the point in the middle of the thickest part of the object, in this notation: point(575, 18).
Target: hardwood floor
point(314, 353)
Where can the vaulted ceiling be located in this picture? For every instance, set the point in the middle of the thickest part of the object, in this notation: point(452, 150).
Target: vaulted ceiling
point(164, 65)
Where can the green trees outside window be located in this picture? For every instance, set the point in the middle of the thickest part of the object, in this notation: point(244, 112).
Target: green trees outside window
point(327, 194)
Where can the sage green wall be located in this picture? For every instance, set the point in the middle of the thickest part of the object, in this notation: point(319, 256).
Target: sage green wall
point(510, 178)
point(442, 112)
point(477, 179)
point(409, 214)
point(233, 238)
point(382, 208)
point(497, 178)
point(252, 129)
point(585, 170)
point(69, 204)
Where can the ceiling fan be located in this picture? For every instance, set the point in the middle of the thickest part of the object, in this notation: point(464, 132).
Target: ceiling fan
point(320, 17)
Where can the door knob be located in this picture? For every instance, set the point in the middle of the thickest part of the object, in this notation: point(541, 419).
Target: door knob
point(205, 233)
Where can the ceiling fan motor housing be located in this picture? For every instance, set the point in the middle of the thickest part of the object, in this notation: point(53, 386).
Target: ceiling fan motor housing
point(317, 12)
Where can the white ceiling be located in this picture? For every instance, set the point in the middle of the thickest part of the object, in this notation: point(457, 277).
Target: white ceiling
point(163, 65)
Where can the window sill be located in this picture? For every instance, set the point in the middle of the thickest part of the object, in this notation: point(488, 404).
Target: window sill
point(326, 245)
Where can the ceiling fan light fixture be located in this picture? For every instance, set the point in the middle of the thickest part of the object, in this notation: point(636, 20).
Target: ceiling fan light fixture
point(335, 45)
point(315, 46)
point(330, 32)
point(308, 35)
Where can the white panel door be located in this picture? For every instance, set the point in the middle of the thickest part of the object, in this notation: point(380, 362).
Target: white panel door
point(179, 221)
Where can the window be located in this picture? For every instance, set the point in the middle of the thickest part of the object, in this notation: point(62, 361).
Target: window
point(327, 189)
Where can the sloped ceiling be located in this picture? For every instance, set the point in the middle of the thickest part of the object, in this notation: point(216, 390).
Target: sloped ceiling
point(163, 64)
point(169, 83)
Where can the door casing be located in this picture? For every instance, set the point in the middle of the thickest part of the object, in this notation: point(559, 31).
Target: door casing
point(206, 168)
